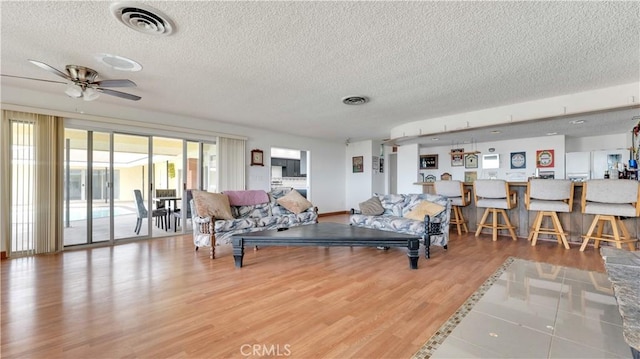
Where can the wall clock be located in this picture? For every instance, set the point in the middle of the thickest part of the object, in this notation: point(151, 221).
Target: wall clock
point(257, 158)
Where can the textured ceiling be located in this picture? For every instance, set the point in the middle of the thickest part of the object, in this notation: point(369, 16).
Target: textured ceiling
point(287, 65)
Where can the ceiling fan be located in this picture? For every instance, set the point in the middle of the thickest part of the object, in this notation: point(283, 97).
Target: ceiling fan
point(82, 82)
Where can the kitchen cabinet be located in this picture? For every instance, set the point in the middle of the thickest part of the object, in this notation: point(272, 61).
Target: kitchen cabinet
point(290, 167)
point(293, 168)
point(279, 162)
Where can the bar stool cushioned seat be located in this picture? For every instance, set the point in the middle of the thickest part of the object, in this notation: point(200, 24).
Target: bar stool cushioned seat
point(609, 200)
point(495, 196)
point(548, 197)
point(454, 190)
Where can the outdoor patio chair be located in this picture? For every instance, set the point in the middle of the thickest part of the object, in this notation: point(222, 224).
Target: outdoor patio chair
point(159, 214)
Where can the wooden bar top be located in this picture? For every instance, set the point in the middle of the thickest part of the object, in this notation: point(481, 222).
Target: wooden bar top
point(515, 184)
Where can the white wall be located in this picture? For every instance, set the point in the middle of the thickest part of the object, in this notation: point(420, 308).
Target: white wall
point(327, 177)
point(594, 100)
point(378, 180)
point(596, 143)
point(358, 185)
point(408, 169)
point(361, 186)
point(503, 148)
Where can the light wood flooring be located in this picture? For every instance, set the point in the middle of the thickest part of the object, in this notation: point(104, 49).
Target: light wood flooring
point(159, 298)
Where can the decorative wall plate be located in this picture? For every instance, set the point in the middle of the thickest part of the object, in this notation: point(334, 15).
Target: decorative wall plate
point(471, 161)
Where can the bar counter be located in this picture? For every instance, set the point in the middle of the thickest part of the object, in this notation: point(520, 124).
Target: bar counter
point(574, 223)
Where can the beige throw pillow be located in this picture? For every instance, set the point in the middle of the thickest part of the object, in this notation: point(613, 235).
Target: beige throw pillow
point(423, 208)
point(212, 205)
point(371, 207)
point(294, 202)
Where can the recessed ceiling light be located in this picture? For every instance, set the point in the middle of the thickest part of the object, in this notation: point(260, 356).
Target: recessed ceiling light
point(435, 139)
point(551, 133)
point(355, 100)
point(119, 62)
point(577, 122)
point(495, 132)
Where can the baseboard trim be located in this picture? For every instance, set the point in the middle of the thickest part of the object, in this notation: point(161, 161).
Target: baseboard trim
point(332, 213)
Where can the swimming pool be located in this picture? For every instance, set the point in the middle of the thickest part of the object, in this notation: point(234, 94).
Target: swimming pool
point(79, 214)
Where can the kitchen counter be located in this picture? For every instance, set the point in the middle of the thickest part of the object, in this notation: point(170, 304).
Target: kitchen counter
point(575, 223)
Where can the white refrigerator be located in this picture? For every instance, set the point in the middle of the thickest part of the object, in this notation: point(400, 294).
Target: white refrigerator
point(582, 166)
point(577, 166)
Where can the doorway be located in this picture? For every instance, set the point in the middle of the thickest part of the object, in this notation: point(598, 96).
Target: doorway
point(291, 168)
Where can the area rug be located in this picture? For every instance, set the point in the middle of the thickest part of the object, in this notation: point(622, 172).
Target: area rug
point(443, 332)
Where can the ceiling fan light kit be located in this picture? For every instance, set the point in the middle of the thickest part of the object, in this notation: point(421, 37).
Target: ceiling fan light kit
point(73, 91)
point(82, 83)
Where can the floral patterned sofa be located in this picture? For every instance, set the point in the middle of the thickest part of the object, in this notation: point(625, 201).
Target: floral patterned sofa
point(211, 231)
point(395, 209)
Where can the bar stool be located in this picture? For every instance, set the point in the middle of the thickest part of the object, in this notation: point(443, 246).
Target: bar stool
point(548, 197)
point(454, 190)
point(495, 196)
point(609, 200)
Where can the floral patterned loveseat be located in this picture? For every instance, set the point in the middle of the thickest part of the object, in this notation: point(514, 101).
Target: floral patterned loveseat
point(432, 230)
point(248, 218)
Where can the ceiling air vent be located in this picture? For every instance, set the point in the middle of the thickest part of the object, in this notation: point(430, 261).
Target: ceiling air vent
point(142, 18)
point(355, 100)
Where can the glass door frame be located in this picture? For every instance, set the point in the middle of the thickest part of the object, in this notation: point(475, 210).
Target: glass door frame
point(112, 133)
point(147, 193)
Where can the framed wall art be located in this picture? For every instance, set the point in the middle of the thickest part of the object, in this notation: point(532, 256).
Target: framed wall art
point(471, 161)
point(358, 164)
point(470, 176)
point(257, 158)
point(428, 162)
point(518, 160)
point(544, 158)
point(457, 157)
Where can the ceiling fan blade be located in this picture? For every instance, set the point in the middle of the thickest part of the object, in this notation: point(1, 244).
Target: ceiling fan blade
point(114, 83)
point(31, 78)
point(53, 70)
point(118, 94)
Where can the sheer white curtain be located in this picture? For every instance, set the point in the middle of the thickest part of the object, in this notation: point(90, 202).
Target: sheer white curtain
point(231, 164)
point(31, 190)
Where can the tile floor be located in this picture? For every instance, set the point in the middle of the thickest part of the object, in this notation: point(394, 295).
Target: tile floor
point(538, 310)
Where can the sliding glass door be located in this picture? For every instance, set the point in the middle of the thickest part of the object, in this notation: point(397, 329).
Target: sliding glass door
point(126, 186)
point(132, 199)
point(87, 201)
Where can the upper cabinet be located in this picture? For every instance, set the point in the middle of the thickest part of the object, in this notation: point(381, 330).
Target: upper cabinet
point(290, 167)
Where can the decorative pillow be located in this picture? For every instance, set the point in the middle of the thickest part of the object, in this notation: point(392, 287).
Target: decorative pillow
point(371, 207)
point(294, 202)
point(212, 205)
point(424, 208)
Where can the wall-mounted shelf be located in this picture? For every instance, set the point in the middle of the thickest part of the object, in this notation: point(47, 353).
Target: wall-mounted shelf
point(464, 153)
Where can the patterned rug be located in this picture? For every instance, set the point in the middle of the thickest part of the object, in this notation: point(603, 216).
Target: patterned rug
point(443, 332)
